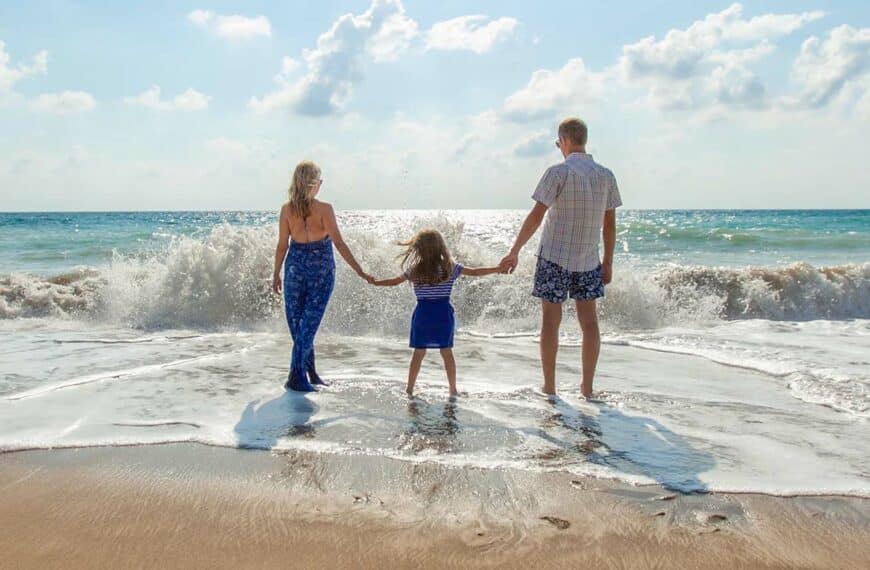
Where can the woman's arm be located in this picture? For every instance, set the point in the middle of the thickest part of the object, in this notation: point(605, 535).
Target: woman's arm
point(332, 229)
point(480, 271)
point(392, 282)
point(281, 248)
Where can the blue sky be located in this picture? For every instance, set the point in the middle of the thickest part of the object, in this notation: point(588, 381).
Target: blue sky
point(209, 105)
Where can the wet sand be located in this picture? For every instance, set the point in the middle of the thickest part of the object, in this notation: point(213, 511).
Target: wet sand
point(193, 506)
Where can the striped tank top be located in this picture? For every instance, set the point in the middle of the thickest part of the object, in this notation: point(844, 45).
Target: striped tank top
point(436, 291)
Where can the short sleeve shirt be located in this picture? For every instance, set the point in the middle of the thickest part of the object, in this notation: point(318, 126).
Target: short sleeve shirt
point(576, 192)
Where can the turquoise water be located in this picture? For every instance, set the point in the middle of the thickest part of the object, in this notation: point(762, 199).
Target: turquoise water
point(49, 243)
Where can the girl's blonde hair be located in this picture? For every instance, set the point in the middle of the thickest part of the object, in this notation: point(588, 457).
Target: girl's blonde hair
point(426, 258)
point(305, 179)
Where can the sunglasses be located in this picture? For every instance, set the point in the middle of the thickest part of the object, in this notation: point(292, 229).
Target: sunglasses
point(558, 144)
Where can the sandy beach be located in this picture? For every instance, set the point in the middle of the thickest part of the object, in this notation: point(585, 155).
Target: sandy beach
point(193, 506)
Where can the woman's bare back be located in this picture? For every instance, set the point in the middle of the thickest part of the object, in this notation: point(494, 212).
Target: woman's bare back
point(313, 228)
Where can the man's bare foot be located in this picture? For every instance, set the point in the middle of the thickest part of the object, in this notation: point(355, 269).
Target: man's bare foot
point(551, 392)
point(410, 393)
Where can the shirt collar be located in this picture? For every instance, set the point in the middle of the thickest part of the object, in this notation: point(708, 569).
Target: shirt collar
point(578, 156)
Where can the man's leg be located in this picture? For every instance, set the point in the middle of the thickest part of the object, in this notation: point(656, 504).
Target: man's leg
point(551, 318)
point(587, 314)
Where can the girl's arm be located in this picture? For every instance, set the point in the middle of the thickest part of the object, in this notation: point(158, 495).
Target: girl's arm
point(281, 248)
point(390, 282)
point(332, 228)
point(480, 271)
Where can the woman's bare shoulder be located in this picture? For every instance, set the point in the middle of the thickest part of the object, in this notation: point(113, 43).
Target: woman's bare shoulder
point(322, 208)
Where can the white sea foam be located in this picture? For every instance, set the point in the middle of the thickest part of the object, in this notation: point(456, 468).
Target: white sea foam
point(223, 280)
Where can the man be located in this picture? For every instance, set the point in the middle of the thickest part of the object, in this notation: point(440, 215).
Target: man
point(579, 198)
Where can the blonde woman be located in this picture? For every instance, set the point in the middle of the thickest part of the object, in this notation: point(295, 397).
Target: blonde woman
point(307, 227)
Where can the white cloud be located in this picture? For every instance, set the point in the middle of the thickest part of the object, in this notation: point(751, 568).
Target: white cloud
point(288, 66)
point(682, 53)
point(862, 107)
point(705, 64)
point(190, 100)
point(65, 102)
point(465, 145)
point(824, 68)
point(10, 75)
point(537, 144)
point(394, 35)
point(336, 64)
point(469, 33)
point(549, 91)
point(227, 149)
point(233, 27)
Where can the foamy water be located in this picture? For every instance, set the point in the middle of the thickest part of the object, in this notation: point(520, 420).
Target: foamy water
point(734, 358)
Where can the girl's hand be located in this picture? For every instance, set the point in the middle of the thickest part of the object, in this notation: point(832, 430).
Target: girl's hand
point(276, 283)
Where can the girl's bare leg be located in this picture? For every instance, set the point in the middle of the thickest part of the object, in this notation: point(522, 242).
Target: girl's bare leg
point(450, 368)
point(414, 369)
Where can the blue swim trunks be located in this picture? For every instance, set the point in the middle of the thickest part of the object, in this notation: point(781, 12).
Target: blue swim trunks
point(553, 283)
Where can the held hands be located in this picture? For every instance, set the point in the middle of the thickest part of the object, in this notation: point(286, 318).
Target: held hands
point(509, 263)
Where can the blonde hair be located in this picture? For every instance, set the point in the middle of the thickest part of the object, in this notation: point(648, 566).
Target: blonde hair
point(426, 258)
point(574, 130)
point(305, 178)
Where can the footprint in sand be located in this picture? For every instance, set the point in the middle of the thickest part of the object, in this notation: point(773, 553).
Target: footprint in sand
point(561, 524)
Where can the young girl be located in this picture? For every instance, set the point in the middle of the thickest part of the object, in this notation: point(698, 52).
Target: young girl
point(428, 266)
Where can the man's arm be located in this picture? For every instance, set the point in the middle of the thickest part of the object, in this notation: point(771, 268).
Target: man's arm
point(530, 226)
point(608, 234)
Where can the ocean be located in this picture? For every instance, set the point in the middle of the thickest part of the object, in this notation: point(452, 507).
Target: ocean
point(736, 347)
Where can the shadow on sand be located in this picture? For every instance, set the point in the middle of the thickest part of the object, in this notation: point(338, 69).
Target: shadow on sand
point(631, 445)
point(288, 415)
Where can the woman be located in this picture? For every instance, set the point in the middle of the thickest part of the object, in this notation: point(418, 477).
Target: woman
point(309, 269)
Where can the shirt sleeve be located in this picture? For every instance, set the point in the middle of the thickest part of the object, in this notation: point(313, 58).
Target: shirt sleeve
point(549, 187)
point(614, 200)
point(457, 270)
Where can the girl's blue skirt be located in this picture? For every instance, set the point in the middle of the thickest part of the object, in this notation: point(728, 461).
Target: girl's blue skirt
point(432, 324)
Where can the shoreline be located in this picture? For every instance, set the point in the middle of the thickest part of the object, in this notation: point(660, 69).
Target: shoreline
point(192, 505)
point(602, 479)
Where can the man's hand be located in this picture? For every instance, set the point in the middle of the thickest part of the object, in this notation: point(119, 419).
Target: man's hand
point(509, 263)
point(606, 272)
point(276, 283)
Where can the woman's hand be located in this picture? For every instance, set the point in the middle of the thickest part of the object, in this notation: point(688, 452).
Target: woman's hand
point(276, 283)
